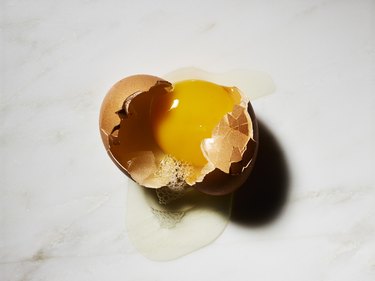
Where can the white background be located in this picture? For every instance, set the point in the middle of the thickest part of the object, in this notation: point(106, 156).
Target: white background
point(63, 201)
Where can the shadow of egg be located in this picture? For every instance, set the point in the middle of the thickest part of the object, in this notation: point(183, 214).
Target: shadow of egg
point(264, 194)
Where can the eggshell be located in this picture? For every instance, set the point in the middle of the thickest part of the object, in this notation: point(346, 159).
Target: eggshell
point(215, 182)
point(220, 183)
point(115, 98)
point(114, 101)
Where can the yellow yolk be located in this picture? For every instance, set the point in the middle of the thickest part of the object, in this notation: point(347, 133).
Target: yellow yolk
point(183, 118)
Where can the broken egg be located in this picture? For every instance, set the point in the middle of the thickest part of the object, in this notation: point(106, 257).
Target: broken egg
point(191, 133)
point(181, 143)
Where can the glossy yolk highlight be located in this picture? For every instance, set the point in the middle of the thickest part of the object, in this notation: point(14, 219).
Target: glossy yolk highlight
point(182, 118)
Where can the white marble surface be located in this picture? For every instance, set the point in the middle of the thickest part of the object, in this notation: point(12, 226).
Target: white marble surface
point(62, 200)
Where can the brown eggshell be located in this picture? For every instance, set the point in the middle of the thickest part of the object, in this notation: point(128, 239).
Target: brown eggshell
point(220, 183)
point(114, 101)
point(215, 182)
point(115, 98)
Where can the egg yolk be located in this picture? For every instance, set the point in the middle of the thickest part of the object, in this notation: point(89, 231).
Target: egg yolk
point(183, 117)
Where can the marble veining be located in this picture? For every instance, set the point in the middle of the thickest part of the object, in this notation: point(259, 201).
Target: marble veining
point(62, 201)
